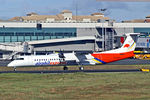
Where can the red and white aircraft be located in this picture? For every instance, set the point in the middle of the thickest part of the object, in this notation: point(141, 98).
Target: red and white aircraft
point(64, 59)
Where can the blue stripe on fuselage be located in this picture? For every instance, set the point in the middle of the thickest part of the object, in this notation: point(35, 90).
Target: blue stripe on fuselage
point(100, 60)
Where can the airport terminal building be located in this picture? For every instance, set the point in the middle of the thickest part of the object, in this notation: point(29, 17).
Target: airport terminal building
point(50, 33)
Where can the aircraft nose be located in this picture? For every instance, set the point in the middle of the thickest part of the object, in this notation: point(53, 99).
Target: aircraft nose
point(10, 64)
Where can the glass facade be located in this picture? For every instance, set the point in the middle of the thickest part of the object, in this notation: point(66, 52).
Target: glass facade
point(145, 32)
point(32, 34)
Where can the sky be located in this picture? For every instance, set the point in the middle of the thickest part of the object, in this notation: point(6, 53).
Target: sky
point(115, 10)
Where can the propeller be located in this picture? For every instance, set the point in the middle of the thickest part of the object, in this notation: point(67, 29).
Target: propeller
point(61, 54)
point(12, 58)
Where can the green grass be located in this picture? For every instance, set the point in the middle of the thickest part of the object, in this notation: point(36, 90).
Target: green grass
point(77, 86)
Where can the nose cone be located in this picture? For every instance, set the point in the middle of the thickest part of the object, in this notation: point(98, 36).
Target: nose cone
point(10, 64)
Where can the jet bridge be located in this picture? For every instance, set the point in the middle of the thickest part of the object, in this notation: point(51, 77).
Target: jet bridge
point(77, 44)
point(13, 48)
point(84, 43)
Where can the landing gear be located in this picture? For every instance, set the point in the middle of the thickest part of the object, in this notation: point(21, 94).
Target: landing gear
point(65, 68)
point(81, 68)
point(15, 69)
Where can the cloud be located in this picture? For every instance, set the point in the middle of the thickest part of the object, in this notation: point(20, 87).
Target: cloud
point(11, 8)
point(87, 6)
point(90, 6)
point(83, 7)
point(2, 1)
point(117, 10)
point(48, 7)
point(147, 7)
point(118, 5)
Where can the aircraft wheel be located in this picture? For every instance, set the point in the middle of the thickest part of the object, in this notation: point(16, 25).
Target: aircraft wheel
point(15, 69)
point(65, 68)
point(81, 68)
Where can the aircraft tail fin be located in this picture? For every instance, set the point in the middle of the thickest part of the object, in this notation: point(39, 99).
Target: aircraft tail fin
point(124, 52)
point(130, 42)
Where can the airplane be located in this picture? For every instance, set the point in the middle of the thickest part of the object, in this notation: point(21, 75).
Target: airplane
point(64, 59)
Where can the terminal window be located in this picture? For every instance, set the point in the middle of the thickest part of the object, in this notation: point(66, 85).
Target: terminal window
point(33, 34)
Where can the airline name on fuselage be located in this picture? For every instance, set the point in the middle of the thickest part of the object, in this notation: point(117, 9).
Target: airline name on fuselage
point(49, 63)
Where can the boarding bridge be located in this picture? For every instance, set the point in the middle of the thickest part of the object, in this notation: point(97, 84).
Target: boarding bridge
point(14, 48)
point(66, 44)
point(11, 47)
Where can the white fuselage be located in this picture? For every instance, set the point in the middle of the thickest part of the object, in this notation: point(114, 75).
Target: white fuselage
point(51, 60)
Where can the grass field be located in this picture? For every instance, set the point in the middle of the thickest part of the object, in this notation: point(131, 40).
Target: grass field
point(77, 86)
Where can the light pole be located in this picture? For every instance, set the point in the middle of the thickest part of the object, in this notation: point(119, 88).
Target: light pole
point(103, 29)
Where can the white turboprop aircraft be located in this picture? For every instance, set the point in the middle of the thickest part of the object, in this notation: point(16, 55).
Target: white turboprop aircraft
point(64, 59)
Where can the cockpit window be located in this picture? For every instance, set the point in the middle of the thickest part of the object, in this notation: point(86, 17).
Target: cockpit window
point(19, 58)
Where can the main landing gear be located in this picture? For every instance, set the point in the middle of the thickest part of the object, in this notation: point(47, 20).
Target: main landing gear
point(81, 68)
point(65, 68)
point(15, 69)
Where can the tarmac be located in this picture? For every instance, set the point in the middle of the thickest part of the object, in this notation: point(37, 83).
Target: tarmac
point(73, 71)
point(131, 62)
